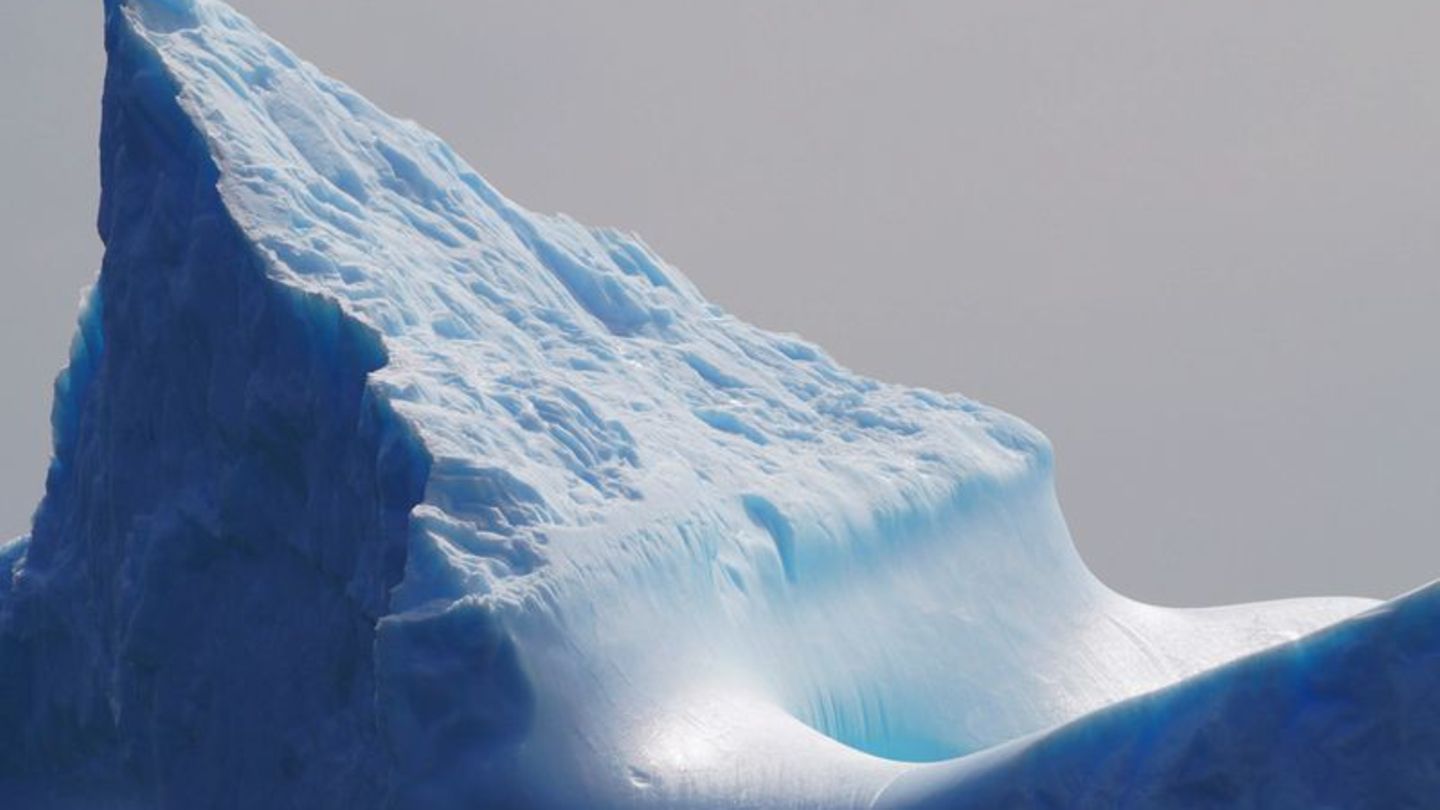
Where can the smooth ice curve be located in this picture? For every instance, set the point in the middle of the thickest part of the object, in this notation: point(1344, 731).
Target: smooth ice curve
point(374, 489)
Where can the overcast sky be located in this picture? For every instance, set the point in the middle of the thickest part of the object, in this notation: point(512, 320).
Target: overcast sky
point(1196, 244)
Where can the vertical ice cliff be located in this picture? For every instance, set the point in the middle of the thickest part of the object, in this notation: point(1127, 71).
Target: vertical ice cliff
point(227, 510)
point(372, 488)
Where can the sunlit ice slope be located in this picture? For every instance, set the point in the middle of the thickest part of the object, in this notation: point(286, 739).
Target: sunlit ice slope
point(1347, 717)
point(373, 488)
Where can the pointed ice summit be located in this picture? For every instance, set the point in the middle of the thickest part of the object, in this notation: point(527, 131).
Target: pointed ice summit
point(373, 489)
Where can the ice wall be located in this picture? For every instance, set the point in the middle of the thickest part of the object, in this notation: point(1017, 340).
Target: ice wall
point(225, 515)
point(373, 488)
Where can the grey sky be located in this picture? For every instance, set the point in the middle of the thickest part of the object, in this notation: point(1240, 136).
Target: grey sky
point(1196, 244)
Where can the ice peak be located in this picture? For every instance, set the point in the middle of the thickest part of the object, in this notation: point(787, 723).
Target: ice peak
point(373, 488)
point(591, 366)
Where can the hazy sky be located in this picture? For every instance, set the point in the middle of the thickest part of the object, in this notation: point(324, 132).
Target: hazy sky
point(1197, 244)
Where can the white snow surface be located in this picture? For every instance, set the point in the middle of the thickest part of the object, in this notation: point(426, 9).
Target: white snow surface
point(731, 572)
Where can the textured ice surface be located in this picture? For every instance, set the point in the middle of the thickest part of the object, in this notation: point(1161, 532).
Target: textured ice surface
point(374, 489)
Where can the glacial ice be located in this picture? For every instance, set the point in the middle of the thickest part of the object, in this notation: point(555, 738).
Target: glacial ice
point(372, 488)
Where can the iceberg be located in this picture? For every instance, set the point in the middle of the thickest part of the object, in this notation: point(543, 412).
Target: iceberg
point(372, 488)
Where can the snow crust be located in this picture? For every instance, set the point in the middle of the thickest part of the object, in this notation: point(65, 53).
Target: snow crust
point(373, 488)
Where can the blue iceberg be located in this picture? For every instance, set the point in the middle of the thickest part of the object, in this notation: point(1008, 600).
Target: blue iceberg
point(373, 489)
